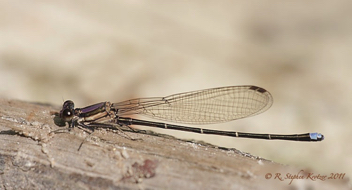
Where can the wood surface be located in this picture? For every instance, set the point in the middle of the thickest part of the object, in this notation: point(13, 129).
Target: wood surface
point(34, 156)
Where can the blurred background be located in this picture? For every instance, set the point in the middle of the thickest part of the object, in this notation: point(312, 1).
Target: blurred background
point(93, 51)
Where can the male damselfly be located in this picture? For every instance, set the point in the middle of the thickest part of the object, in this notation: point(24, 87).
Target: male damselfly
point(207, 106)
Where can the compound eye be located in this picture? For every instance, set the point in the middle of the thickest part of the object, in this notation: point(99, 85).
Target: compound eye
point(67, 114)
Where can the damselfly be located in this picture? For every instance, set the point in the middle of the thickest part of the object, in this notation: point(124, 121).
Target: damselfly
point(207, 106)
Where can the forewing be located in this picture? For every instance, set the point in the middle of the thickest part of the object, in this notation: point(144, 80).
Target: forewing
point(201, 107)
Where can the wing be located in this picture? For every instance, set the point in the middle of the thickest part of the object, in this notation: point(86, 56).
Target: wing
point(207, 106)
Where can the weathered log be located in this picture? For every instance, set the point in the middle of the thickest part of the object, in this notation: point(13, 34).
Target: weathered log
point(34, 156)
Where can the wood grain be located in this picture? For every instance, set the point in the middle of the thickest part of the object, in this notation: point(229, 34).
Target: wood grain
point(32, 156)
